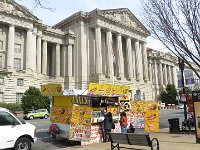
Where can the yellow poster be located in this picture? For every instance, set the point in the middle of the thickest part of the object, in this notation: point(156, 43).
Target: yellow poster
point(61, 115)
point(151, 126)
point(51, 89)
point(93, 88)
point(81, 115)
point(137, 106)
point(125, 92)
point(151, 117)
point(107, 89)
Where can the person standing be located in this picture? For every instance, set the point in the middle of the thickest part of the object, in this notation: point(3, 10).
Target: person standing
point(123, 122)
point(107, 125)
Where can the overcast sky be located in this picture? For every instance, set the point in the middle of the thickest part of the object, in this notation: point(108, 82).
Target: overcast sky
point(65, 8)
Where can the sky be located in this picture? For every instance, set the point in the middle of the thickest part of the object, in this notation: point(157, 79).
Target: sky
point(65, 8)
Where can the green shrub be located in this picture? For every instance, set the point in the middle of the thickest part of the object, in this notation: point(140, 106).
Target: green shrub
point(11, 106)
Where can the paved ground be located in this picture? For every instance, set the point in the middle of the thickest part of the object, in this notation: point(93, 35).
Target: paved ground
point(167, 142)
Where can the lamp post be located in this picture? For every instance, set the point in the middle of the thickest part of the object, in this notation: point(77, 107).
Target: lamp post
point(181, 67)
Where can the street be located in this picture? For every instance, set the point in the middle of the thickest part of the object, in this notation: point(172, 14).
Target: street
point(46, 143)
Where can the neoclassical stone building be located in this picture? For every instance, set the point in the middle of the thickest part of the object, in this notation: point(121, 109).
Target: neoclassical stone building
point(105, 46)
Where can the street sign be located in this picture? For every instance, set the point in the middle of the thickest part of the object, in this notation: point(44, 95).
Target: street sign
point(183, 97)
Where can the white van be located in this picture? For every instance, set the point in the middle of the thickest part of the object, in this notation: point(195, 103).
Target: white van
point(15, 133)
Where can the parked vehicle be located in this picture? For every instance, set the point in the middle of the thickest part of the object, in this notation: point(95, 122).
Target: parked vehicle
point(180, 106)
point(14, 133)
point(40, 113)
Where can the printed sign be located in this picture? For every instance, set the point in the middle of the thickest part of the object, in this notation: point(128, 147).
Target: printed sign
point(109, 89)
point(51, 89)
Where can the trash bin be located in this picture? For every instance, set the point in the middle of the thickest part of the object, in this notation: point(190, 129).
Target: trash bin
point(174, 125)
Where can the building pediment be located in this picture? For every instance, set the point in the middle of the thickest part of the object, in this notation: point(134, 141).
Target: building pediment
point(123, 17)
point(11, 7)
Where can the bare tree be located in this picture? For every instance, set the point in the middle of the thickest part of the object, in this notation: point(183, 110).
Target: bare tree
point(39, 3)
point(176, 23)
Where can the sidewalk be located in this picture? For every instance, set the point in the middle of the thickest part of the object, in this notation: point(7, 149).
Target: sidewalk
point(167, 141)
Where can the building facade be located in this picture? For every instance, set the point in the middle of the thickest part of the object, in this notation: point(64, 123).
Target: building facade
point(104, 46)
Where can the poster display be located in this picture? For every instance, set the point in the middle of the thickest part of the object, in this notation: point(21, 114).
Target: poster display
point(137, 119)
point(144, 115)
point(80, 127)
point(61, 115)
point(81, 115)
point(79, 132)
point(151, 117)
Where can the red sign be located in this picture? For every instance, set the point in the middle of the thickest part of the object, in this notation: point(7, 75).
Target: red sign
point(190, 104)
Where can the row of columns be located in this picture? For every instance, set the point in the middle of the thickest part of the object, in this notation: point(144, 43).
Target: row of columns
point(36, 53)
point(161, 73)
point(136, 60)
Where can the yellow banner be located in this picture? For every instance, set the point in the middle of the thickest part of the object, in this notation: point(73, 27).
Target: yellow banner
point(109, 89)
point(51, 89)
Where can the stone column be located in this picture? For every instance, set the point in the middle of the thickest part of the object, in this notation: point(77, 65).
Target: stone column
point(144, 56)
point(57, 60)
point(53, 61)
point(69, 60)
point(150, 70)
point(175, 80)
point(34, 49)
point(133, 62)
point(44, 57)
point(165, 75)
point(169, 75)
point(10, 53)
point(119, 56)
point(137, 62)
point(64, 60)
point(129, 58)
point(109, 54)
point(29, 56)
point(160, 74)
point(39, 54)
point(98, 54)
point(155, 72)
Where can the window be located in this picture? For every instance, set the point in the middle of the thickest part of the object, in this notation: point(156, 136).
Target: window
point(18, 34)
point(1, 62)
point(1, 80)
point(1, 31)
point(1, 45)
point(20, 82)
point(17, 64)
point(1, 97)
point(17, 48)
point(7, 119)
point(19, 98)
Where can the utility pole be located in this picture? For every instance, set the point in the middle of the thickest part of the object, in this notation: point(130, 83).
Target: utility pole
point(181, 67)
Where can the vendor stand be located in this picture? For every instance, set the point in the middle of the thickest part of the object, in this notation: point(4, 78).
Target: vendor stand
point(79, 117)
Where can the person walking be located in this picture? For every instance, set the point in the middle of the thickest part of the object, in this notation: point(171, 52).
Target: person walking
point(123, 122)
point(107, 126)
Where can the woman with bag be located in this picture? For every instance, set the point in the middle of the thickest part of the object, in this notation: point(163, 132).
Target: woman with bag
point(123, 122)
point(107, 125)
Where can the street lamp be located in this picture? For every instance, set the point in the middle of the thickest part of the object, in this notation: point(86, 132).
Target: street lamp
point(181, 67)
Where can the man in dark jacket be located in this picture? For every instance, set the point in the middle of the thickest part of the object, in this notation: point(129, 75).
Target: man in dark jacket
point(107, 125)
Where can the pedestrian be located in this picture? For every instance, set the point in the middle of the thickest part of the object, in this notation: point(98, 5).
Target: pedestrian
point(123, 122)
point(107, 125)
